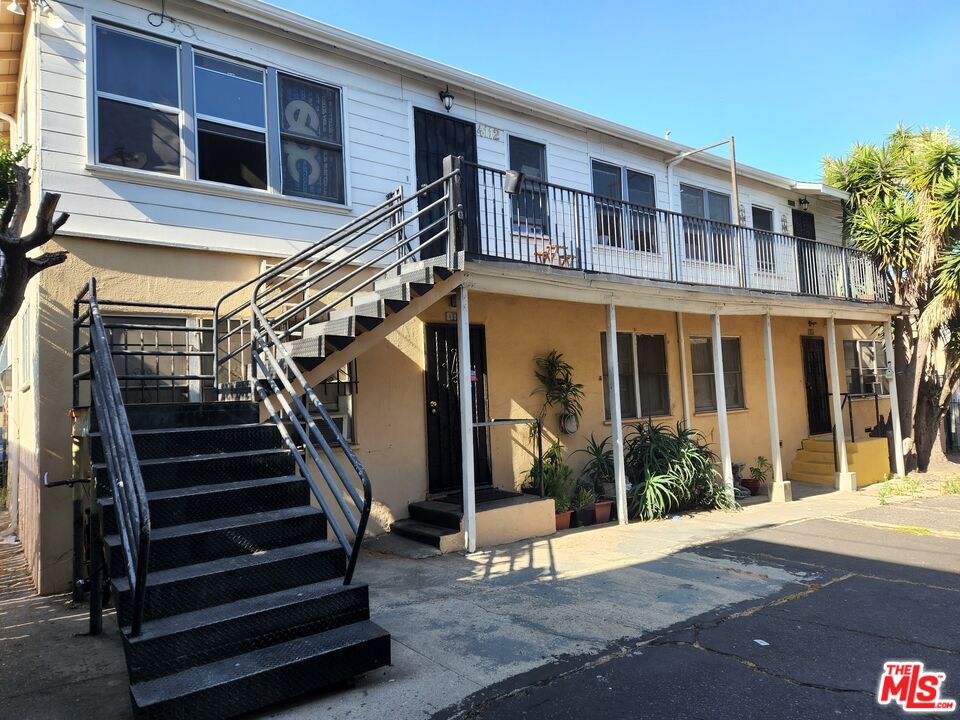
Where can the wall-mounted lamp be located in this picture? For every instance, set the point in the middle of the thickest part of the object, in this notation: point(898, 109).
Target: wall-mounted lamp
point(784, 226)
point(804, 203)
point(743, 214)
point(41, 7)
point(446, 97)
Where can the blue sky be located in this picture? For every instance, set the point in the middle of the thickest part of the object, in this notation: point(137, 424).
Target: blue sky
point(791, 80)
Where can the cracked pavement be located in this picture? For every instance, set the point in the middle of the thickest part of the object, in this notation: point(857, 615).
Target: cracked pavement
point(880, 584)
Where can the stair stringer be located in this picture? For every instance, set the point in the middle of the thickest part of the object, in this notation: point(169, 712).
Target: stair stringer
point(368, 339)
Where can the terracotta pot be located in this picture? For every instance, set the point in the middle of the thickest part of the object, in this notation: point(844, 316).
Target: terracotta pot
point(563, 519)
point(753, 486)
point(602, 511)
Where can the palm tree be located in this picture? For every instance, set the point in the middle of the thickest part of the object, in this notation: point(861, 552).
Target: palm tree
point(904, 210)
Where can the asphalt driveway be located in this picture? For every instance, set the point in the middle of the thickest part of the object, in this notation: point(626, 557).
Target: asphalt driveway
point(881, 583)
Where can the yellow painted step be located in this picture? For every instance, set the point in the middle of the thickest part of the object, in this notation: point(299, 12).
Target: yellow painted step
point(814, 468)
point(809, 478)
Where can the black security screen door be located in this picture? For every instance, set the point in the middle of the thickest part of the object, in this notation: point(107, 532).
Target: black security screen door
point(443, 408)
point(435, 137)
point(815, 379)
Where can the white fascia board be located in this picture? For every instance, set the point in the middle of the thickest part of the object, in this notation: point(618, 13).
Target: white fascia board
point(307, 28)
point(821, 189)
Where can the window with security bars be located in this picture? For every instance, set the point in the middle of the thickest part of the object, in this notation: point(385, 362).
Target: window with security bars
point(151, 358)
point(866, 363)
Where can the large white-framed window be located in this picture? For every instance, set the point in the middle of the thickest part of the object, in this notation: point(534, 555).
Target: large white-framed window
point(644, 378)
point(704, 381)
point(138, 101)
point(631, 225)
point(866, 363)
point(249, 126)
point(231, 112)
point(707, 233)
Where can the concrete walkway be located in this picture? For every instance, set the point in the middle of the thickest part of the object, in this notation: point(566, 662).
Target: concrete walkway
point(462, 623)
point(459, 623)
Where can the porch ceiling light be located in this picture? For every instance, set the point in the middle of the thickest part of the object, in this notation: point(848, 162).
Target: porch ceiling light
point(14, 7)
point(43, 8)
point(446, 97)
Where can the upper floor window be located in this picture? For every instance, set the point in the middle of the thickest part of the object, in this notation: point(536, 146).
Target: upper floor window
point(707, 234)
point(616, 221)
point(704, 377)
point(530, 211)
point(138, 102)
point(140, 112)
point(763, 225)
point(311, 140)
point(231, 122)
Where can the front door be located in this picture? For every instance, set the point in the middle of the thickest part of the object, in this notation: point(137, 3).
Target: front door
point(815, 379)
point(443, 408)
point(435, 137)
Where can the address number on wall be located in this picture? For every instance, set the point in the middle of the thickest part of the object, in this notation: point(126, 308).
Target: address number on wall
point(489, 132)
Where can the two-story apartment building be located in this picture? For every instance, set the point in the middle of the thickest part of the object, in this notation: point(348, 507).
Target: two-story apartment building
point(200, 147)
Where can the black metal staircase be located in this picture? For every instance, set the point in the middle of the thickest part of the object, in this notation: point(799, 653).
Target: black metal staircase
point(230, 543)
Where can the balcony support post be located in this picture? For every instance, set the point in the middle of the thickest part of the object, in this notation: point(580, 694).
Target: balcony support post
point(684, 383)
point(780, 490)
point(894, 399)
point(616, 419)
point(720, 388)
point(846, 481)
point(466, 421)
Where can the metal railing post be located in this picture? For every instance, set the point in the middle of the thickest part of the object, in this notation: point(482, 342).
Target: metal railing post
point(455, 241)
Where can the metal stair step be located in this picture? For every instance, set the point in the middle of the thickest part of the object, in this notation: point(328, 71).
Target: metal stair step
point(190, 470)
point(254, 680)
point(208, 502)
point(180, 415)
point(317, 346)
point(193, 587)
point(180, 441)
point(207, 540)
point(174, 643)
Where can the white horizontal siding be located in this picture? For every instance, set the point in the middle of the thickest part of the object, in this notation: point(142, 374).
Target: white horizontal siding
point(378, 109)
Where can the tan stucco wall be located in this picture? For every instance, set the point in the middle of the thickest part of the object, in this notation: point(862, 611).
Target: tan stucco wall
point(390, 422)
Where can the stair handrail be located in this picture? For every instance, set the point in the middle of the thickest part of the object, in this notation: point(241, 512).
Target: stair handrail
point(329, 246)
point(352, 263)
point(123, 467)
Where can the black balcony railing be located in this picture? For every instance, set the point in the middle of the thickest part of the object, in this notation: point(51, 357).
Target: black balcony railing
point(547, 224)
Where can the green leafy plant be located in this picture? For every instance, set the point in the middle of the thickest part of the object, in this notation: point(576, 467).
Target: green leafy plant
point(599, 466)
point(583, 498)
point(671, 469)
point(555, 376)
point(951, 486)
point(558, 477)
point(760, 471)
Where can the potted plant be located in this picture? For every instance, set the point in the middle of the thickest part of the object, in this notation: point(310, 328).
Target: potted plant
point(599, 469)
point(564, 513)
point(560, 391)
point(583, 502)
point(758, 476)
point(558, 482)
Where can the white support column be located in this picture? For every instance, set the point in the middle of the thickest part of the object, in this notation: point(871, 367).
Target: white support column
point(684, 383)
point(720, 388)
point(616, 419)
point(466, 420)
point(780, 490)
point(894, 399)
point(845, 480)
